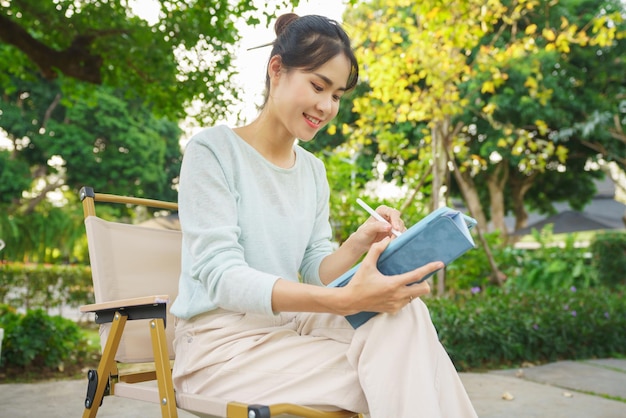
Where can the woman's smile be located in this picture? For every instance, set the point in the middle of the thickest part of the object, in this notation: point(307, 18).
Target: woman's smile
point(313, 122)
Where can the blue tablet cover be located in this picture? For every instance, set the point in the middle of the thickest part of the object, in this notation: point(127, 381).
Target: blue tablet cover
point(443, 235)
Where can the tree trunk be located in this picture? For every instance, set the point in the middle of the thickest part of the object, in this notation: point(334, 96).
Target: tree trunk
point(496, 183)
point(439, 163)
point(519, 188)
point(618, 176)
point(439, 174)
point(470, 195)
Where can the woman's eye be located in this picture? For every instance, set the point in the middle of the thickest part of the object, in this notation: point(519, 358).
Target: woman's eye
point(336, 98)
point(316, 87)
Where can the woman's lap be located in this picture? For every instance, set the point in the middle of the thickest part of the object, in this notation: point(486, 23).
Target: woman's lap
point(297, 358)
point(393, 365)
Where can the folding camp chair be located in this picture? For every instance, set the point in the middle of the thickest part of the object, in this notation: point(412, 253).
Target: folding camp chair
point(135, 273)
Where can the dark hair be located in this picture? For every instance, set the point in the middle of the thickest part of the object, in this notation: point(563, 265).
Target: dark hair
point(308, 42)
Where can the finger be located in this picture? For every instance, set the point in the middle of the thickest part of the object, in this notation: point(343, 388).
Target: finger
point(393, 216)
point(399, 225)
point(388, 213)
point(378, 227)
point(415, 276)
point(375, 251)
point(418, 290)
point(373, 231)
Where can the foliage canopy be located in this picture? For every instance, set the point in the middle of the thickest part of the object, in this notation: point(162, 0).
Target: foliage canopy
point(92, 94)
point(494, 89)
point(186, 55)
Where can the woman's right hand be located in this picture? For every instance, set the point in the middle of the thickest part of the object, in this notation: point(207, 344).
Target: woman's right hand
point(370, 290)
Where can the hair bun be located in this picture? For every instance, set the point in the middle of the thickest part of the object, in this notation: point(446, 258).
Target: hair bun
point(283, 21)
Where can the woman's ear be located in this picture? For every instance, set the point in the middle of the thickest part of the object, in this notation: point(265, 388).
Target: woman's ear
point(275, 67)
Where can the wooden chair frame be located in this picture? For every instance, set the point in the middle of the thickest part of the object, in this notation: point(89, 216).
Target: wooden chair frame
point(107, 380)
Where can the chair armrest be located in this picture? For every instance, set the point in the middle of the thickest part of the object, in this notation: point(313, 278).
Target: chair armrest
point(145, 307)
point(125, 303)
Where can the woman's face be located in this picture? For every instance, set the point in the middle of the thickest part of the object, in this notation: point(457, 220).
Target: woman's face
point(304, 102)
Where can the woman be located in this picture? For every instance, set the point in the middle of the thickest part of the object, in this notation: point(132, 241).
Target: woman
point(255, 321)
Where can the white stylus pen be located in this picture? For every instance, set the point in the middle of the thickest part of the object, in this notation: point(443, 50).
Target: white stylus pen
point(377, 216)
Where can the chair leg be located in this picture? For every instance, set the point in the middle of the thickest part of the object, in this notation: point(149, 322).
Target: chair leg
point(106, 366)
point(163, 370)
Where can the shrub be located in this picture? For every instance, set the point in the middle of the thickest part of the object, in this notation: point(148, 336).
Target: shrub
point(500, 328)
point(36, 339)
point(473, 269)
point(554, 265)
point(609, 257)
point(45, 286)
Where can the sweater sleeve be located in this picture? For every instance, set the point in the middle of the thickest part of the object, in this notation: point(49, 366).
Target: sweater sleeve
point(320, 244)
point(215, 272)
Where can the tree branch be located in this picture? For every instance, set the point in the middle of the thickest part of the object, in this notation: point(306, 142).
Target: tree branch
point(76, 61)
point(416, 190)
point(32, 203)
point(599, 148)
point(618, 133)
point(50, 109)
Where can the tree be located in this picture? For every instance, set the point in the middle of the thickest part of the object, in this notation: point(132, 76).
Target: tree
point(101, 139)
point(412, 54)
point(572, 81)
point(92, 94)
point(14, 178)
point(602, 128)
point(453, 66)
point(182, 58)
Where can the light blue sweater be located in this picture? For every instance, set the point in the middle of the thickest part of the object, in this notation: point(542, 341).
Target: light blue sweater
point(246, 223)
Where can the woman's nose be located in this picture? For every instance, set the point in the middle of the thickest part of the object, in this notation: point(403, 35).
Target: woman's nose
point(325, 104)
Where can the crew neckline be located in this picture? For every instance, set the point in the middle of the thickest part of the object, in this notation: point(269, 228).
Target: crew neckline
point(260, 156)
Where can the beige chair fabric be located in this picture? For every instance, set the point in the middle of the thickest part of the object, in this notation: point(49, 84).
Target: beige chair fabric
point(129, 261)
